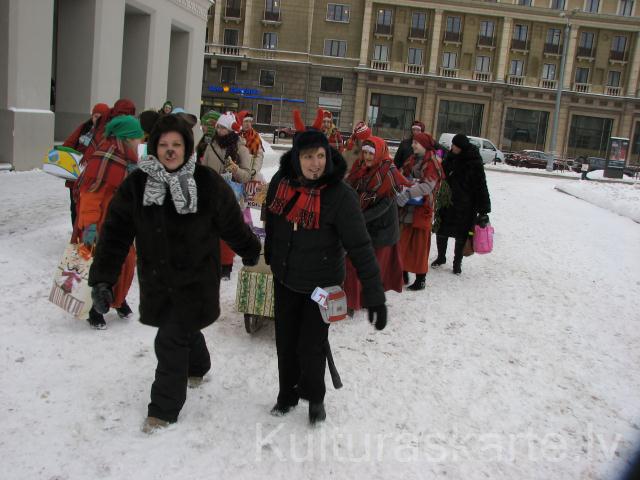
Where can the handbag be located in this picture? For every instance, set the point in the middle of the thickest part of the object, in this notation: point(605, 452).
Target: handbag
point(71, 290)
point(332, 302)
point(483, 239)
point(468, 247)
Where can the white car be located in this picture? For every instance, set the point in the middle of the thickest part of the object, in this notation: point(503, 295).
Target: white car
point(488, 150)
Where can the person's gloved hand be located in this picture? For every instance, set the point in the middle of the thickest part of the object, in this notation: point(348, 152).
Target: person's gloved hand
point(250, 261)
point(102, 297)
point(378, 316)
point(90, 235)
point(483, 220)
point(402, 198)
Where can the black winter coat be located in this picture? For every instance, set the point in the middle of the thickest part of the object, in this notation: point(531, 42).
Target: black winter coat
point(178, 256)
point(382, 222)
point(469, 194)
point(304, 259)
point(404, 151)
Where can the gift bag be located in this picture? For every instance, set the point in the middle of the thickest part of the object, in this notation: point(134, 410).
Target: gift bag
point(254, 294)
point(70, 290)
point(483, 239)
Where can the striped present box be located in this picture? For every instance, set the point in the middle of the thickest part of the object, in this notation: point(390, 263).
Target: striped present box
point(254, 294)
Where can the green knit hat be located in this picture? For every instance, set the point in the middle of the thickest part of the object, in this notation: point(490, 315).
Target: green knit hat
point(208, 122)
point(124, 126)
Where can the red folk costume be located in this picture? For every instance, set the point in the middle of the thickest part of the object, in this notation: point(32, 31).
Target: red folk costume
point(416, 221)
point(373, 184)
point(332, 133)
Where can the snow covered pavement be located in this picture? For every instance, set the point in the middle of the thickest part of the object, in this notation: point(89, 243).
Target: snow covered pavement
point(525, 367)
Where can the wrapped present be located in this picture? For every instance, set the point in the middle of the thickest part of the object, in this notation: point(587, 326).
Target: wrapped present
point(70, 290)
point(254, 294)
point(63, 162)
point(255, 193)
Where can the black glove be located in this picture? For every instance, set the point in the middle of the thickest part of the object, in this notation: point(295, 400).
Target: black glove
point(483, 220)
point(250, 261)
point(378, 316)
point(102, 297)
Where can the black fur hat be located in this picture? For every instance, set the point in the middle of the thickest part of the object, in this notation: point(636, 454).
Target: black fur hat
point(171, 123)
point(309, 139)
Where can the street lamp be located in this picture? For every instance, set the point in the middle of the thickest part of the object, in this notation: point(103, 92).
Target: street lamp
point(556, 112)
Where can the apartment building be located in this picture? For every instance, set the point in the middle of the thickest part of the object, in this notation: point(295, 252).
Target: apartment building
point(490, 69)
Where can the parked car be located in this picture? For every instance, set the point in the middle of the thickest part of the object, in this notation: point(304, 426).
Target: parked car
point(532, 159)
point(595, 163)
point(488, 150)
point(284, 132)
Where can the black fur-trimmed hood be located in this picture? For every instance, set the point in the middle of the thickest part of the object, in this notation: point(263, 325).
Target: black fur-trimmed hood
point(335, 175)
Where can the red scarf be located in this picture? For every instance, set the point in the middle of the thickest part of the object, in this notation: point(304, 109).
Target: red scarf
point(381, 180)
point(252, 139)
point(306, 210)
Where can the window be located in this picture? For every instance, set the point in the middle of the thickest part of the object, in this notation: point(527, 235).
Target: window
point(381, 53)
point(390, 116)
point(557, 4)
point(331, 84)
point(525, 3)
point(588, 136)
point(592, 6)
point(586, 39)
point(335, 114)
point(415, 56)
point(520, 32)
point(453, 24)
point(383, 22)
point(270, 40)
point(272, 10)
point(267, 78)
point(449, 59)
point(525, 129)
point(625, 8)
point(487, 28)
point(230, 37)
point(337, 12)
point(549, 71)
point(483, 64)
point(335, 48)
point(516, 68)
point(264, 114)
point(614, 79)
point(582, 75)
point(418, 25)
point(619, 44)
point(227, 74)
point(459, 117)
point(553, 36)
point(232, 9)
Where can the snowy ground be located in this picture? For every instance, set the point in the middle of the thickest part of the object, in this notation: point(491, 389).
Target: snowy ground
point(593, 175)
point(621, 199)
point(525, 367)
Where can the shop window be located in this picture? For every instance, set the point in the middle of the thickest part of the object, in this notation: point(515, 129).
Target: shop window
point(264, 114)
point(456, 117)
point(589, 136)
point(390, 116)
point(525, 129)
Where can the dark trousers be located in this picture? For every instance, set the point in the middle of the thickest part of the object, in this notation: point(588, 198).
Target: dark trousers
point(72, 208)
point(442, 241)
point(181, 354)
point(301, 338)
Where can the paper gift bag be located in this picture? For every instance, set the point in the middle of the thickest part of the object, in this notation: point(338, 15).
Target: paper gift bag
point(254, 294)
point(70, 290)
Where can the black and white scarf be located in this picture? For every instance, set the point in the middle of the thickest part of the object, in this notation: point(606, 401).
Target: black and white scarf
point(181, 183)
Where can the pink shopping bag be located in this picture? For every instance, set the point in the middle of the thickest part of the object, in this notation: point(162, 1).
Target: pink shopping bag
point(483, 239)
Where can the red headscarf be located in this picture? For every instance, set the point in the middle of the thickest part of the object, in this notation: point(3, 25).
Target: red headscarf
point(101, 108)
point(123, 106)
point(380, 180)
point(431, 168)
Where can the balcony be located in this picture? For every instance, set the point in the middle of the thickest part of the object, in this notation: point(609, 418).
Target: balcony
point(448, 72)
point(452, 37)
point(482, 76)
point(415, 69)
point(383, 30)
point(613, 91)
point(616, 56)
point(486, 42)
point(380, 64)
point(515, 80)
point(519, 45)
point(582, 87)
point(552, 49)
point(550, 84)
point(586, 53)
point(271, 18)
point(216, 49)
point(232, 14)
point(418, 34)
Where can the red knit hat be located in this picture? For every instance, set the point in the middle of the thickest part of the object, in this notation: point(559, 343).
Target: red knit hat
point(123, 106)
point(101, 108)
point(361, 131)
point(425, 140)
point(327, 114)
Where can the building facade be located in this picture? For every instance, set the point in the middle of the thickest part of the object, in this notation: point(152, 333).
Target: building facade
point(60, 57)
point(490, 69)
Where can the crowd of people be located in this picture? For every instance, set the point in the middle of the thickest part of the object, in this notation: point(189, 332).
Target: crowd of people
point(336, 214)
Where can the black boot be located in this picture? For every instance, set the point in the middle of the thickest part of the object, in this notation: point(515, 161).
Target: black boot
point(457, 268)
point(225, 273)
point(405, 277)
point(438, 261)
point(124, 310)
point(441, 242)
point(420, 283)
point(316, 413)
point(280, 410)
point(457, 259)
point(96, 320)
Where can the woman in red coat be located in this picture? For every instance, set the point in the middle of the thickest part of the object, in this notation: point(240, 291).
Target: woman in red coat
point(377, 182)
point(424, 170)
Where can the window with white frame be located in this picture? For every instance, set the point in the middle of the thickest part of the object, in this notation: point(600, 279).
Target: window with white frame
point(270, 40)
point(625, 8)
point(384, 17)
point(549, 71)
point(483, 64)
point(453, 24)
point(227, 74)
point(619, 44)
point(232, 9)
point(516, 68)
point(338, 12)
point(418, 24)
point(263, 115)
point(557, 4)
point(613, 79)
point(272, 10)
point(586, 40)
point(231, 37)
point(449, 59)
point(553, 36)
point(582, 75)
point(415, 56)
point(381, 53)
point(592, 6)
point(520, 32)
point(267, 78)
point(487, 28)
point(335, 48)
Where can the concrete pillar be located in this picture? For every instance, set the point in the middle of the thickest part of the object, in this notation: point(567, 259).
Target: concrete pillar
point(360, 104)
point(366, 33)
point(107, 51)
point(193, 83)
point(135, 53)
point(158, 61)
point(217, 22)
point(634, 69)
point(178, 64)
point(571, 54)
point(436, 42)
point(563, 127)
point(26, 121)
point(503, 53)
point(429, 106)
point(493, 129)
point(249, 24)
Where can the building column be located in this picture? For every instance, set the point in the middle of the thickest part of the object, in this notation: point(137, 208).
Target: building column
point(158, 61)
point(436, 43)
point(503, 53)
point(366, 33)
point(193, 93)
point(360, 104)
point(107, 51)
point(634, 69)
point(496, 110)
point(569, 61)
point(217, 22)
point(564, 126)
point(249, 23)
point(26, 120)
point(427, 115)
